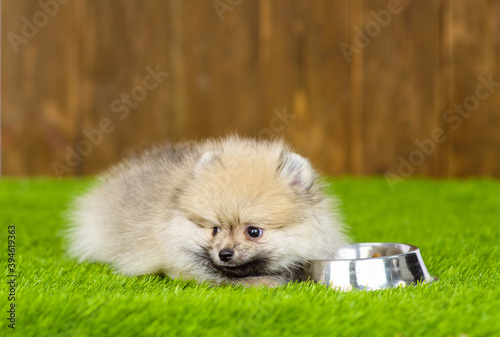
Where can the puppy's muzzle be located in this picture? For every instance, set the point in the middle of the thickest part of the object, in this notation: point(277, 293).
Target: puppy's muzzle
point(226, 254)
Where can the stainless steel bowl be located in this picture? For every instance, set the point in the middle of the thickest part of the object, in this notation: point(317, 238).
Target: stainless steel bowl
point(371, 266)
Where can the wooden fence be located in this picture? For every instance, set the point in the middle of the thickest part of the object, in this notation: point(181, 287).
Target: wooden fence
point(361, 87)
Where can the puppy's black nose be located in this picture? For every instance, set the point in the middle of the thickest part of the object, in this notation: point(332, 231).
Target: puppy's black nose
point(226, 254)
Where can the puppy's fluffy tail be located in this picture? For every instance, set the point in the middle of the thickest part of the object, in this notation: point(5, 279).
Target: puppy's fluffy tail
point(86, 237)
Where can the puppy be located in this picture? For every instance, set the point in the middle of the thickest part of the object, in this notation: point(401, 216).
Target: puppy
point(227, 211)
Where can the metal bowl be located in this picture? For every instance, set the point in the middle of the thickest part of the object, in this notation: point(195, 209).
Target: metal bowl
point(372, 266)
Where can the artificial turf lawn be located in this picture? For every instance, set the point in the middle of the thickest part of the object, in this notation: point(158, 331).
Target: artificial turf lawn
point(455, 223)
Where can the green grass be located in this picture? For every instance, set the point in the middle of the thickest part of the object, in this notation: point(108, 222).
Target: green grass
point(455, 223)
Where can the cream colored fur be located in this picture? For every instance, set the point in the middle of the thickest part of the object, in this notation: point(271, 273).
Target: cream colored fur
point(155, 213)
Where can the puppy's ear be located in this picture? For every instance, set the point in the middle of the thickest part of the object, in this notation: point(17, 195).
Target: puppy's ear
point(297, 170)
point(206, 159)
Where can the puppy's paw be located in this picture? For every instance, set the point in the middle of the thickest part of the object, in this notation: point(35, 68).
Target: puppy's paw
point(261, 281)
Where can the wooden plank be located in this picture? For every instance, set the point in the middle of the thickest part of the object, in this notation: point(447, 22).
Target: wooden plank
point(355, 19)
point(326, 85)
point(126, 92)
point(401, 89)
point(445, 77)
point(308, 74)
point(278, 66)
point(220, 67)
point(475, 50)
point(40, 79)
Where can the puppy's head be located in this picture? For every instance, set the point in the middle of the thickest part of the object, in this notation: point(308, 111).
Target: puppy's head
point(259, 208)
point(239, 250)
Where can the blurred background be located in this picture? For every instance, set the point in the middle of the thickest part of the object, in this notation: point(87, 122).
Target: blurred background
point(361, 87)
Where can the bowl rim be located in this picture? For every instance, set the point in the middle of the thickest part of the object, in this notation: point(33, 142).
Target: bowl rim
point(412, 250)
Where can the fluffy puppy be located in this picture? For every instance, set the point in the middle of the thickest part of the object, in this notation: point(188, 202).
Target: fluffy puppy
point(228, 211)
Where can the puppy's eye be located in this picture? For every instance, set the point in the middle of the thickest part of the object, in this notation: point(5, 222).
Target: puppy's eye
point(215, 231)
point(254, 232)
